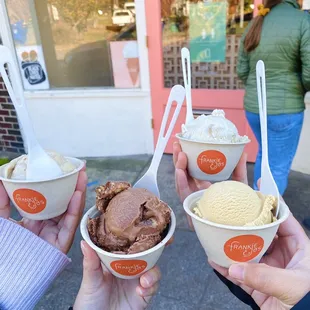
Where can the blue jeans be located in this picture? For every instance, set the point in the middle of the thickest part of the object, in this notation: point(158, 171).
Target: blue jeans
point(283, 137)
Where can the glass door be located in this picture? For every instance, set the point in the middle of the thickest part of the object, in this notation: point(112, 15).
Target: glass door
point(173, 24)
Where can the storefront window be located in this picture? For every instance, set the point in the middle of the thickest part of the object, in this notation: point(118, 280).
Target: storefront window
point(212, 30)
point(73, 43)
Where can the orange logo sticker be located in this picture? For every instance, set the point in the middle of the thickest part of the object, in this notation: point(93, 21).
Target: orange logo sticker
point(129, 267)
point(29, 200)
point(244, 248)
point(211, 162)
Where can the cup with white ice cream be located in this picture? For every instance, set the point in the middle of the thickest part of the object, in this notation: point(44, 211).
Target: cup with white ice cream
point(213, 146)
point(233, 222)
point(41, 199)
point(131, 56)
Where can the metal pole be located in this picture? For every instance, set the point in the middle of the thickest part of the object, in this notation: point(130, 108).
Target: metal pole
point(241, 13)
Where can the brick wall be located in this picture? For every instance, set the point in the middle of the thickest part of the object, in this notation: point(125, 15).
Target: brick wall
point(10, 136)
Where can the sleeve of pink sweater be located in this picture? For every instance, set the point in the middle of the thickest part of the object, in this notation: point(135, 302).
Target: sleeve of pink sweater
point(28, 265)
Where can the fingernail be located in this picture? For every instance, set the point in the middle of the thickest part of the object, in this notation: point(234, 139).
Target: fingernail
point(83, 248)
point(237, 272)
point(147, 281)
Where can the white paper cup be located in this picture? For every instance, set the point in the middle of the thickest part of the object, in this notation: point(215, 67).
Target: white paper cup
point(226, 245)
point(42, 200)
point(211, 161)
point(127, 266)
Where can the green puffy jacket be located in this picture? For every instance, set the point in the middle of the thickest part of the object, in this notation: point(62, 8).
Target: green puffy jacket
point(285, 50)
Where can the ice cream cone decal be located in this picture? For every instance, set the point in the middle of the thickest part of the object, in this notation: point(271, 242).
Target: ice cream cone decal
point(133, 69)
point(131, 55)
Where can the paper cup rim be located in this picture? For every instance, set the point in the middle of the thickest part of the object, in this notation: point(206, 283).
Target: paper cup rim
point(179, 136)
point(85, 235)
point(195, 197)
point(71, 159)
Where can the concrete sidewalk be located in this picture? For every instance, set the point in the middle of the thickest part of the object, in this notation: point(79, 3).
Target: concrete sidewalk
point(188, 282)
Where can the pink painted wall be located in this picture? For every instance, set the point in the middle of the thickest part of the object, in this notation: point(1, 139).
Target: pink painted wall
point(229, 100)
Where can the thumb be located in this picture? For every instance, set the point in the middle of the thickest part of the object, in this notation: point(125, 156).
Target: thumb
point(276, 282)
point(5, 209)
point(92, 270)
point(182, 185)
point(240, 173)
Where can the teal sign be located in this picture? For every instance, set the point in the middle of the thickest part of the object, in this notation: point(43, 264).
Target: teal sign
point(207, 31)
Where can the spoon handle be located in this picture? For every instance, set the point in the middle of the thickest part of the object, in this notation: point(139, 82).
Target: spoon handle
point(187, 77)
point(19, 104)
point(177, 94)
point(262, 104)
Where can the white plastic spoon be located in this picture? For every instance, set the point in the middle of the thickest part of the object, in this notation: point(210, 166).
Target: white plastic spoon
point(149, 180)
point(187, 77)
point(40, 165)
point(268, 185)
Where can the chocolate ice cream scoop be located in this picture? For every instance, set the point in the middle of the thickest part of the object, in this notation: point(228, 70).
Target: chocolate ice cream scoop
point(132, 220)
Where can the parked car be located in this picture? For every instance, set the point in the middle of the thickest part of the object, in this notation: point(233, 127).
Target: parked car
point(95, 58)
point(131, 6)
point(123, 17)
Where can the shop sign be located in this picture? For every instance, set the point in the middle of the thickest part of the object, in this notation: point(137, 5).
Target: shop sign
point(207, 30)
point(32, 67)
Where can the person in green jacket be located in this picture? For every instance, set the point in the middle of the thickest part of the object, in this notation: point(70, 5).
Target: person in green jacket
point(280, 36)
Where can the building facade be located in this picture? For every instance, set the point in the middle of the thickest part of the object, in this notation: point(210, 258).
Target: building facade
point(85, 77)
point(10, 136)
point(97, 75)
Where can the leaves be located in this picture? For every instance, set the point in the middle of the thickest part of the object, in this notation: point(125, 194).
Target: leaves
point(76, 12)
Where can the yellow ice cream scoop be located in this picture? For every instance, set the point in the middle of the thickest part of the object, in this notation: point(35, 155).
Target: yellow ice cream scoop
point(236, 204)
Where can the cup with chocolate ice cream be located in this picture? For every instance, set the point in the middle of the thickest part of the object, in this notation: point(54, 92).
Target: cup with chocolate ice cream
point(233, 222)
point(128, 228)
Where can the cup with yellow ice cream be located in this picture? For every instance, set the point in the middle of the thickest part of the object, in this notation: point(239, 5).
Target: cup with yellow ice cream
point(233, 222)
point(41, 199)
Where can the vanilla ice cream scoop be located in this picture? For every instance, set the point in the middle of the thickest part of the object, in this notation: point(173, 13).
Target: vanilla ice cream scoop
point(213, 128)
point(235, 204)
point(16, 169)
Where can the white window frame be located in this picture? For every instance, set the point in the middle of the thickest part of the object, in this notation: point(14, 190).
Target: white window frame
point(77, 92)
